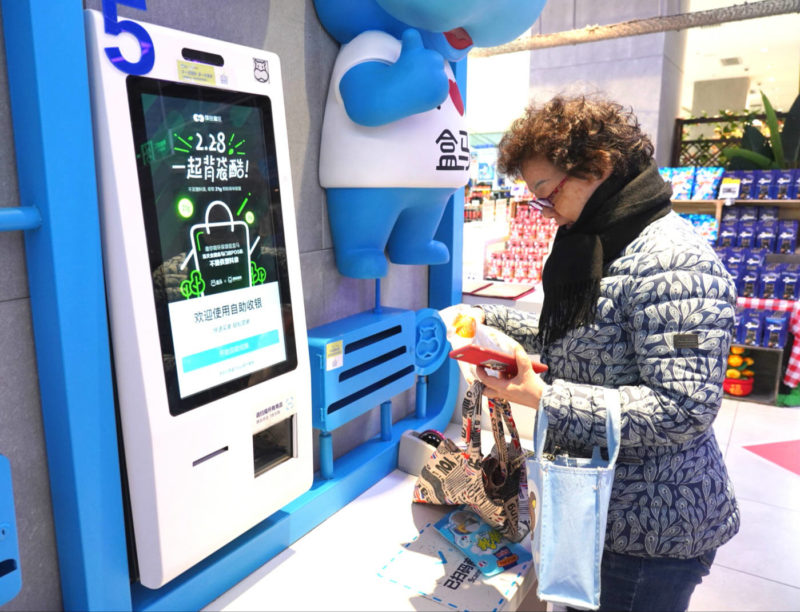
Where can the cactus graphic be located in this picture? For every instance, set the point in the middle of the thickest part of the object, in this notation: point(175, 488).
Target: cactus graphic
point(257, 274)
point(193, 286)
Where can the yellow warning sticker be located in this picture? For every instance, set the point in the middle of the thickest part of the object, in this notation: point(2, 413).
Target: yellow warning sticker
point(334, 355)
point(193, 72)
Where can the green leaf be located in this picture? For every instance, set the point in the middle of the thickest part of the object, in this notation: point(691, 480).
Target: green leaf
point(759, 161)
point(791, 134)
point(774, 132)
point(753, 140)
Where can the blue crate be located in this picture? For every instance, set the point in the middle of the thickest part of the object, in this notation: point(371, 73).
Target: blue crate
point(357, 363)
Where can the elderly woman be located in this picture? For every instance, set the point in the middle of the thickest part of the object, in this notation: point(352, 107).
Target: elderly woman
point(634, 300)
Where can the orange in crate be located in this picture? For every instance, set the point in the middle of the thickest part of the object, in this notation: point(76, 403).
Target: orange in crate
point(738, 386)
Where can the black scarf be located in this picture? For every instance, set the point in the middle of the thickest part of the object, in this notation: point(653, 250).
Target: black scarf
point(618, 211)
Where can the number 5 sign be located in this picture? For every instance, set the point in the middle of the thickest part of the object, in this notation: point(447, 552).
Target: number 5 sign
point(115, 27)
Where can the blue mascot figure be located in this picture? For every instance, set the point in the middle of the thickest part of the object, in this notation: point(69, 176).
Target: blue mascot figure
point(394, 140)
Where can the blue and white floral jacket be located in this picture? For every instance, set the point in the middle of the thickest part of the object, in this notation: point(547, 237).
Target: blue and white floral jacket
point(661, 337)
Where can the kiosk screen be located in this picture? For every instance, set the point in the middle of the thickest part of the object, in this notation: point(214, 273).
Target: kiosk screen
point(212, 211)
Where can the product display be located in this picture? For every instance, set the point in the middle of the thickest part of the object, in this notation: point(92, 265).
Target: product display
point(693, 183)
point(762, 328)
point(705, 224)
point(522, 257)
point(739, 375)
point(767, 184)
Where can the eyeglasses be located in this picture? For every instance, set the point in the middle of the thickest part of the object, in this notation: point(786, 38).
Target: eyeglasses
point(541, 203)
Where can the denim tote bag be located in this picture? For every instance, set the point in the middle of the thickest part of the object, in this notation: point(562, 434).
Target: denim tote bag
point(570, 498)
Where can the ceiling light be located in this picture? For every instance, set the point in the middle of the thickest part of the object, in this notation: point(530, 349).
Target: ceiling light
point(764, 50)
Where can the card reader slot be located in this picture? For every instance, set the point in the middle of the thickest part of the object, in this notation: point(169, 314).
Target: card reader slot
point(204, 57)
point(219, 451)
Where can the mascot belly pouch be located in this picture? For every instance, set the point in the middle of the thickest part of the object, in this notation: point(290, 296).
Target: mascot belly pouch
point(394, 141)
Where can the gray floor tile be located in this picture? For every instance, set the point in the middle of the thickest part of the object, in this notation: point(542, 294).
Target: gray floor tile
point(727, 589)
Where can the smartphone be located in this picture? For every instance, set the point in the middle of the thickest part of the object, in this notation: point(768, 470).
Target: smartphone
point(491, 359)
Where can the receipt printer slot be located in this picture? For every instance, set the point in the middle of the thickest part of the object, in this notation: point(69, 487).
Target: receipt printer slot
point(273, 446)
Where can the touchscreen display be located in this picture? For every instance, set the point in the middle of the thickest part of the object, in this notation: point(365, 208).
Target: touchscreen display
point(212, 210)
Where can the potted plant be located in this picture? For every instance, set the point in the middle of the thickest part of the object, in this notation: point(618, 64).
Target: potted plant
point(780, 150)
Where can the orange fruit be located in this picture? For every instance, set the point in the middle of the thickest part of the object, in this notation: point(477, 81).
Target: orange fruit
point(737, 350)
point(747, 373)
point(731, 373)
point(465, 326)
point(735, 361)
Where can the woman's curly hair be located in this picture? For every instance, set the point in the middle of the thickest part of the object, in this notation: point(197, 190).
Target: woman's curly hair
point(579, 135)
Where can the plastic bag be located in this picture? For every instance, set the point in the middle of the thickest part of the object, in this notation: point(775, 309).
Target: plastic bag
point(463, 329)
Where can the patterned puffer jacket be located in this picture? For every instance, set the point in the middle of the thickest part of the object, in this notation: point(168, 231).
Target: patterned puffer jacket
point(661, 338)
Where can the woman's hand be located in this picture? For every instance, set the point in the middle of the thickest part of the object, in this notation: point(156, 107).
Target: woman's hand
point(525, 388)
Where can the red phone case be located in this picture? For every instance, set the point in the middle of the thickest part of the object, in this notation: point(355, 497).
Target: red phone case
point(491, 359)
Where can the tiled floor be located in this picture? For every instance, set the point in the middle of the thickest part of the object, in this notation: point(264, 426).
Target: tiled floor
point(759, 569)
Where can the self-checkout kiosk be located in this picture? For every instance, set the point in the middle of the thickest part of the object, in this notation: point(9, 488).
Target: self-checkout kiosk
point(203, 286)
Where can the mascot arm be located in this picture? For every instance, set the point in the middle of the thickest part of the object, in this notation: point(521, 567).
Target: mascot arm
point(376, 93)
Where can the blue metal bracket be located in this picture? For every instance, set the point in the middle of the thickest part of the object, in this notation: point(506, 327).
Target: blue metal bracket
point(20, 218)
point(10, 571)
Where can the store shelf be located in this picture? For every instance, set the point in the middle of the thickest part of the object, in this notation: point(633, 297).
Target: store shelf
point(787, 209)
point(768, 373)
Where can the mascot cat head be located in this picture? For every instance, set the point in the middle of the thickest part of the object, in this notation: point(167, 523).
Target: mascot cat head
point(451, 27)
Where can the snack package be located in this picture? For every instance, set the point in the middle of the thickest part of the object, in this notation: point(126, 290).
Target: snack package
point(730, 214)
point(776, 329)
point(786, 240)
point(736, 271)
point(783, 185)
point(705, 225)
point(794, 187)
point(736, 257)
point(747, 178)
point(749, 330)
point(766, 235)
point(728, 235)
point(706, 183)
point(754, 259)
point(486, 547)
point(748, 213)
point(682, 182)
point(748, 283)
point(790, 282)
point(763, 185)
point(463, 330)
point(767, 213)
point(769, 284)
point(747, 234)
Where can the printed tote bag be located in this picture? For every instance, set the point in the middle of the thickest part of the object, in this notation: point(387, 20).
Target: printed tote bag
point(492, 485)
